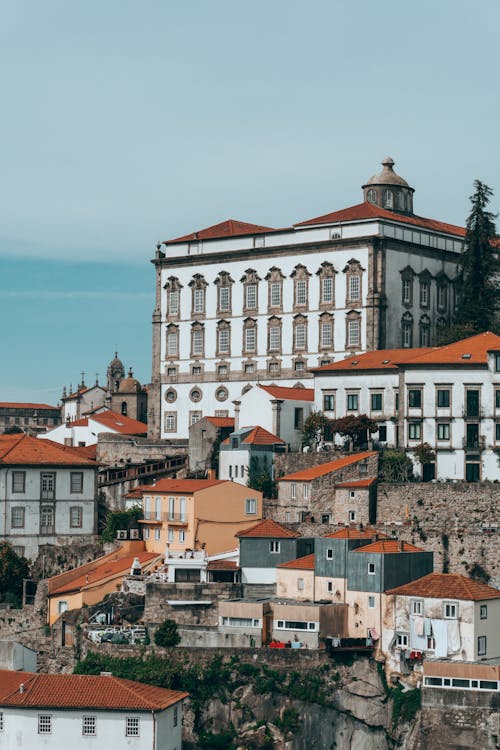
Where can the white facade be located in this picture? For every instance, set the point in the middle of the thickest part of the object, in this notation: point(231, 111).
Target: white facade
point(283, 417)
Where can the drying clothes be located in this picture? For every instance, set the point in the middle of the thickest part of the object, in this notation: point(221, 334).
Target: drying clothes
point(427, 627)
point(453, 636)
point(418, 642)
point(441, 637)
point(419, 624)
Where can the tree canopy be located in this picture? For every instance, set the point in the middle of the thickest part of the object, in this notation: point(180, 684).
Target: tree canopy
point(13, 569)
point(317, 428)
point(354, 427)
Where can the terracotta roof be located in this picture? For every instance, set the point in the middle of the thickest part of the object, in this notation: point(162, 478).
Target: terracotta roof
point(134, 494)
point(222, 565)
point(268, 529)
point(291, 394)
point(107, 569)
point(90, 451)
point(447, 586)
point(228, 228)
point(20, 405)
point(21, 449)
point(183, 486)
point(83, 422)
point(301, 563)
point(221, 421)
point(120, 423)
point(320, 470)
point(365, 211)
point(350, 532)
point(469, 351)
point(382, 359)
point(358, 482)
point(83, 692)
point(387, 546)
point(260, 436)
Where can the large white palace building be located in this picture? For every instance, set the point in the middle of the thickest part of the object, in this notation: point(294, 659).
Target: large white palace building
point(239, 303)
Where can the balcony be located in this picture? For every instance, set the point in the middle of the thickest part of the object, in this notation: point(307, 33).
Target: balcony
point(173, 519)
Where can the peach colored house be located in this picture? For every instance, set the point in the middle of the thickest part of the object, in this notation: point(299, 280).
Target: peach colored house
point(194, 514)
point(295, 579)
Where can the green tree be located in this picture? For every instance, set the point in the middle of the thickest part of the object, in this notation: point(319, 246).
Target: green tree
point(121, 519)
point(260, 477)
point(395, 466)
point(316, 429)
point(354, 427)
point(13, 569)
point(167, 634)
point(476, 284)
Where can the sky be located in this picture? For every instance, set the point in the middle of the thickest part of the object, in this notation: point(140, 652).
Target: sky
point(125, 122)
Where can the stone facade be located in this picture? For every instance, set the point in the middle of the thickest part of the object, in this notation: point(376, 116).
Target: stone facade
point(158, 596)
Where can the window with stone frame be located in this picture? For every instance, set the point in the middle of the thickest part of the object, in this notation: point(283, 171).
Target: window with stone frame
point(424, 328)
point(274, 330)
point(249, 336)
point(223, 338)
point(198, 286)
point(172, 343)
point(173, 289)
point(18, 481)
point(250, 281)
point(326, 276)
point(274, 289)
point(353, 330)
point(326, 332)
point(197, 340)
point(407, 278)
point(300, 276)
point(17, 516)
point(75, 517)
point(388, 199)
point(354, 281)
point(371, 196)
point(442, 283)
point(224, 284)
point(299, 333)
point(425, 289)
point(273, 368)
point(170, 421)
point(407, 331)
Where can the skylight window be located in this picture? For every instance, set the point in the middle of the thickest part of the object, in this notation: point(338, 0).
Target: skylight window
point(385, 361)
point(466, 356)
point(355, 362)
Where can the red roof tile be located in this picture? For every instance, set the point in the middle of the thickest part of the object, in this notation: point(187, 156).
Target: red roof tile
point(182, 486)
point(228, 228)
point(134, 494)
point(107, 569)
point(469, 351)
point(389, 546)
point(287, 393)
point(350, 532)
point(320, 470)
point(83, 422)
point(365, 211)
point(222, 565)
point(358, 483)
point(83, 692)
point(260, 436)
point(221, 421)
point(268, 529)
point(24, 450)
point(382, 359)
point(301, 563)
point(21, 405)
point(119, 423)
point(447, 586)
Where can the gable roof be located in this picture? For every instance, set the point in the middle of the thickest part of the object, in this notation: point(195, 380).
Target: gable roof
point(107, 569)
point(447, 586)
point(350, 532)
point(20, 405)
point(83, 692)
point(360, 483)
point(120, 423)
point(221, 421)
point(228, 228)
point(320, 470)
point(268, 529)
point(20, 449)
point(287, 393)
point(301, 563)
point(381, 359)
point(260, 436)
point(389, 546)
point(365, 211)
point(184, 486)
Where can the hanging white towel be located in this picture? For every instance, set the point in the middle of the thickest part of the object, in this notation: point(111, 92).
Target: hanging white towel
point(427, 627)
point(419, 625)
point(453, 636)
point(417, 642)
point(441, 637)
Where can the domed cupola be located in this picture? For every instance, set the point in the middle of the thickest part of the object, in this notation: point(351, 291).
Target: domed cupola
point(388, 190)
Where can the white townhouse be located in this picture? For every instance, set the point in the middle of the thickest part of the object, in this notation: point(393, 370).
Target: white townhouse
point(48, 493)
point(85, 431)
point(87, 711)
point(447, 396)
point(240, 303)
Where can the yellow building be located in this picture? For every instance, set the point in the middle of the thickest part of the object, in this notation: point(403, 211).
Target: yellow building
point(194, 514)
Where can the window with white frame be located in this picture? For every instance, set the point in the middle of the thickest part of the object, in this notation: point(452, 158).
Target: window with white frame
point(483, 612)
point(170, 421)
point(424, 294)
point(182, 536)
point(17, 515)
point(173, 302)
point(198, 301)
point(132, 726)
point(481, 645)
point(145, 533)
point(274, 546)
point(251, 296)
point(388, 199)
point(402, 640)
point(327, 289)
point(293, 490)
point(305, 490)
point(329, 587)
point(450, 610)
point(371, 568)
point(171, 508)
point(275, 294)
point(354, 332)
point(62, 606)
point(329, 553)
point(75, 517)
point(300, 584)
point(223, 340)
point(170, 535)
point(326, 334)
point(354, 287)
point(250, 336)
point(300, 336)
point(407, 331)
point(301, 292)
point(443, 431)
point(197, 340)
point(18, 481)
point(172, 341)
point(250, 506)
point(417, 607)
point(89, 726)
point(371, 602)
point(157, 535)
point(274, 335)
point(44, 724)
point(352, 516)
point(296, 625)
point(407, 289)
point(414, 430)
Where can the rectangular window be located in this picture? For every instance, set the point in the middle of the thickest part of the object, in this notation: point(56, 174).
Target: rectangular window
point(329, 587)
point(300, 336)
point(300, 584)
point(48, 486)
point(497, 362)
point(443, 431)
point(274, 546)
point(173, 303)
point(293, 491)
point(88, 726)
point(352, 516)
point(353, 331)
point(75, 518)
point(329, 554)
point(276, 294)
point(354, 288)
point(407, 291)
point(182, 509)
point(172, 344)
point(371, 602)
point(132, 726)
point(415, 398)
point(371, 569)
point(298, 418)
point(62, 606)
point(424, 294)
point(441, 297)
point(328, 402)
point(250, 338)
point(197, 342)
point(417, 607)
point(327, 335)
point(250, 506)
point(483, 611)
point(274, 338)
point(182, 536)
point(376, 399)
point(199, 301)
point(443, 399)
point(171, 508)
point(382, 433)
point(17, 514)
point(171, 421)
point(301, 292)
point(481, 645)
point(170, 535)
point(157, 535)
point(305, 491)
point(327, 289)
point(44, 724)
point(414, 431)
point(76, 482)
point(352, 402)
point(450, 611)
point(224, 299)
point(1, 721)
point(18, 481)
point(46, 520)
point(251, 296)
point(224, 340)
point(18, 550)
point(176, 716)
point(145, 533)
point(402, 640)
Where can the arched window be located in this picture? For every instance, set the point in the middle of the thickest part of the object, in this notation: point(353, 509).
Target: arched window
point(124, 408)
point(425, 330)
point(388, 199)
point(407, 330)
point(372, 195)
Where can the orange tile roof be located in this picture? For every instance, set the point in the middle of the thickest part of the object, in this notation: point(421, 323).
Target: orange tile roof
point(182, 486)
point(134, 494)
point(260, 436)
point(21, 449)
point(350, 532)
point(301, 563)
point(107, 569)
point(83, 422)
point(19, 405)
point(222, 565)
point(320, 470)
point(364, 211)
point(476, 346)
point(387, 546)
point(447, 586)
point(381, 359)
point(119, 423)
point(83, 692)
point(228, 228)
point(358, 482)
point(221, 421)
point(268, 529)
point(287, 393)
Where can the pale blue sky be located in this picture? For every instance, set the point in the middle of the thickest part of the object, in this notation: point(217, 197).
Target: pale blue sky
point(128, 122)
